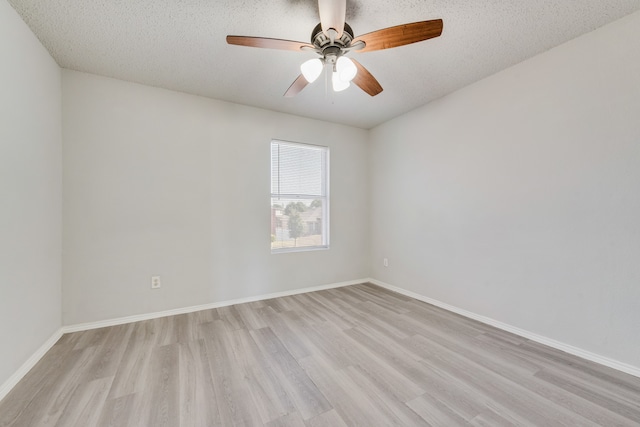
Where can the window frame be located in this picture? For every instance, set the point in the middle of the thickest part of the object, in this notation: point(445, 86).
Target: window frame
point(325, 197)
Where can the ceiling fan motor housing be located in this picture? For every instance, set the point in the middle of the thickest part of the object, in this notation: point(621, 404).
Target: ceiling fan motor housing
point(324, 44)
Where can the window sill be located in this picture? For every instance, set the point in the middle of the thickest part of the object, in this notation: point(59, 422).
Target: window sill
point(304, 249)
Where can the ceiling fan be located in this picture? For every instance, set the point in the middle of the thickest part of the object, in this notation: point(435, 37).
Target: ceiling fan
point(333, 38)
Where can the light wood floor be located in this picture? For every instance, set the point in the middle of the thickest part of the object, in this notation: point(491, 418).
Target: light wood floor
point(355, 356)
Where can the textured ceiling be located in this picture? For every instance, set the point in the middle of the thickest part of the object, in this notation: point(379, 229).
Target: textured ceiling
point(180, 45)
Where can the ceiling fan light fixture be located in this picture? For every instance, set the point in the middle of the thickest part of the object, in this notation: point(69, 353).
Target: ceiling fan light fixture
point(346, 69)
point(338, 84)
point(312, 69)
point(333, 38)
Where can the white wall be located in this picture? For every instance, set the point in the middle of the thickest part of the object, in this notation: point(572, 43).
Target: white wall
point(518, 197)
point(163, 183)
point(30, 193)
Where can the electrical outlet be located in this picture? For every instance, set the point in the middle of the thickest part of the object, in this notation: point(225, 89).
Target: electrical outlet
point(385, 262)
point(155, 282)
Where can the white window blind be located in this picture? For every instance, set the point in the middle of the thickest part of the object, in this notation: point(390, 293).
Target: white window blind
point(299, 197)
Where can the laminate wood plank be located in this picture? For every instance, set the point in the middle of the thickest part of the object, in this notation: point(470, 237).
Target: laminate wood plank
point(365, 316)
point(387, 402)
point(442, 359)
point(503, 368)
point(44, 372)
point(163, 399)
point(431, 314)
point(204, 316)
point(359, 355)
point(598, 396)
point(165, 330)
point(120, 412)
point(339, 350)
point(198, 406)
point(333, 312)
point(377, 300)
point(495, 345)
point(383, 292)
point(47, 403)
point(435, 413)
point(499, 362)
point(454, 325)
point(86, 403)
point(256, 305)
point(69, 339)
point(280, 304)
point(506, 336)
point(463, 345)
point(525, 402)
point(345, 396)
point(231, 318)
point(271, 399)
point(582, 367)
point(459, 397)
point(293, 342)
point(233, 398)
point(64, 389)
point(393, 382)
point(329, 418)
point(250, 316)
point(186, 328)
point(88, 338)
point(130, 376)
point(189, 376)
point(207, 330)
point(338, 294)
point(329, 344)
point(490, 419)
point(109, 352)
point(386, 321)
point(301, 318)
point(289, 420)
point(350, 314)
point(545, 390)
point(390, 353)
point(304, 306)
point(622, 386)
point(308, 400)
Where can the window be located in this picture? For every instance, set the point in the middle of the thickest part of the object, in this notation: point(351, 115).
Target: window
point(299, 197)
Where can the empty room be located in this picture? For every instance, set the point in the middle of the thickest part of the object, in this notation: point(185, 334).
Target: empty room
point(319, 213)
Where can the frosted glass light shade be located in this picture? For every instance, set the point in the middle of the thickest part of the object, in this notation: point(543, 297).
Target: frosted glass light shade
point(311, 69)
point(346, 69)
point(339, 84)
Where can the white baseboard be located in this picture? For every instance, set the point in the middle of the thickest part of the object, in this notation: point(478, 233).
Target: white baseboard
point(6, 387)
point(173, 312)
point(602, 360)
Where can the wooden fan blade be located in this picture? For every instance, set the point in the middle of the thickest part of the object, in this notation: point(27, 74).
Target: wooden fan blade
point(266, 43)
point(296, 87)
point(365, 80)
point(332, 15)
point(400, 35)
